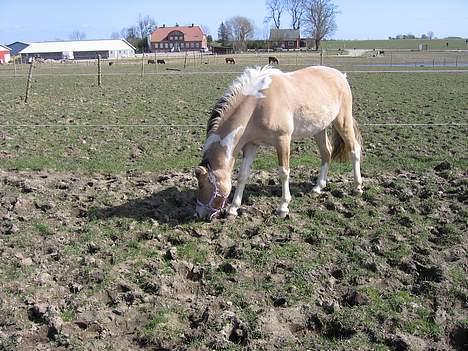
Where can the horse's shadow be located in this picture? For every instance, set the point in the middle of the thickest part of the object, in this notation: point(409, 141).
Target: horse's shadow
point(170, 206)
point(174, 206)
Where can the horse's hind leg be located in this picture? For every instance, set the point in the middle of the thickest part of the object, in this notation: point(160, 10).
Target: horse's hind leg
point(347, 129)
point(325, 155)
point(244, 173)
point(283, 149)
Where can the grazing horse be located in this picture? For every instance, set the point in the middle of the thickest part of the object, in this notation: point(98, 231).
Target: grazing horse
point(273, 60)
point(267, 106)
point(151, 62)
point(161, 62)
point(230, 60)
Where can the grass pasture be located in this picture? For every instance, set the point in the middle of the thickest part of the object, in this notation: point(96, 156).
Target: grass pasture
point(98, 249)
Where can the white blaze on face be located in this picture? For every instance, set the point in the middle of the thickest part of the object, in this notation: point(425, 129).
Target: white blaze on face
point(227, 142)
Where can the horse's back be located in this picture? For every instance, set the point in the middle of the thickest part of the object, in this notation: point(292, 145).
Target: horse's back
point(306, 101)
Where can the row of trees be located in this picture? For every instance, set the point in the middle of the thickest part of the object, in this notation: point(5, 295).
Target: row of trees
point(316, 18)
point(429, 35)
point(236, 30)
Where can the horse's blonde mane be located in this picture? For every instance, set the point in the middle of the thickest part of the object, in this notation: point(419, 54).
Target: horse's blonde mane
point(240, 87)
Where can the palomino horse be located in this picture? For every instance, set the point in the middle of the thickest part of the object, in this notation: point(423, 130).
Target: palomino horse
point(267, 106)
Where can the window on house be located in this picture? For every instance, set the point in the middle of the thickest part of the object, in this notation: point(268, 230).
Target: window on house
point(166, 45)
point(197, 45)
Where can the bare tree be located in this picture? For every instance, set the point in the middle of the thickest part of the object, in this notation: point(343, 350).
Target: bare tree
point(138, 34)
point(145, 26)
point(77, 35)
point(241, 29)
point(320, 19)
point(296, 9)
point(430, 35)
point(275, 10)
point(115, 35)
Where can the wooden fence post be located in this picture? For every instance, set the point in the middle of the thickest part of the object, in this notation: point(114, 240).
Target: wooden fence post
point(143, 64)
point(321, 56)
point(28, 84)
point(185, 60)
point(99, 71)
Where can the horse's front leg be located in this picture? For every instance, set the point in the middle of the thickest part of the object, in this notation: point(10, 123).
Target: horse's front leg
point(249, 152)
point(283, 149)
point(325, 155)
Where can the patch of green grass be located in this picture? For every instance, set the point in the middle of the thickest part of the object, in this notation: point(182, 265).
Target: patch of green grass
point(165, 323)
point(193, 251)
point(43, 229)
point(68, 315)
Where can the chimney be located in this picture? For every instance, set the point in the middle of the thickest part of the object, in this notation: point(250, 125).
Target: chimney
point(193, 25)
point(164, 26)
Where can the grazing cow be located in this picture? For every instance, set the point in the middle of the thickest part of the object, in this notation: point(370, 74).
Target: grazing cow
point(230, 60)
point(267, 106)
point(151, 62)
point(273, 60)
point(161, 62)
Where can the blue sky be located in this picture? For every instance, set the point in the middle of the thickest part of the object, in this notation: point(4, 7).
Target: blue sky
point(36, 20)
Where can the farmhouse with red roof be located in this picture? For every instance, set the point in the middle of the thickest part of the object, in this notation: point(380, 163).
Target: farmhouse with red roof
point(178, 38)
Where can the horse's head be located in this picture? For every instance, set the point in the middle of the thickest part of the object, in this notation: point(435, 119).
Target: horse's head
point(213, 191)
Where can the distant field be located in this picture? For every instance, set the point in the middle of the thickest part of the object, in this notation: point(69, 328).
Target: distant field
point(407, 44)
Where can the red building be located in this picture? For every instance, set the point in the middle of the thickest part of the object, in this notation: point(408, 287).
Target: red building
point(285, 39)
point(178, 38)
point(4, 54)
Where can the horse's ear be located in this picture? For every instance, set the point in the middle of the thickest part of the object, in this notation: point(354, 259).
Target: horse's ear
point(200, 171)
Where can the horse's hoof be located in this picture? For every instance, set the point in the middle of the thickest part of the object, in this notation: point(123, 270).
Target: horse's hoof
point(282, 213)
point(317, 190)
point(358, 191)
point(232, 212)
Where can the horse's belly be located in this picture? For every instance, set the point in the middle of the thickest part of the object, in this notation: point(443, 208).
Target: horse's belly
point(309, 122)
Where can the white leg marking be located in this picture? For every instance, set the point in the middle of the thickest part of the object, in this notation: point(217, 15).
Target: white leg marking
point(283, 209)
point(357, 168)
point(322, 178)
point(244, 173)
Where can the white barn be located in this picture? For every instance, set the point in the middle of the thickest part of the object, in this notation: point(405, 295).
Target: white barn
point(78, 50)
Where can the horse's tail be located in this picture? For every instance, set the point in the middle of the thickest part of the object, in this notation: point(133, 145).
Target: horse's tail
point(341, 150)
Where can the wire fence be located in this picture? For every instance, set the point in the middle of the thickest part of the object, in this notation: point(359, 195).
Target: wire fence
point(199, 63)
